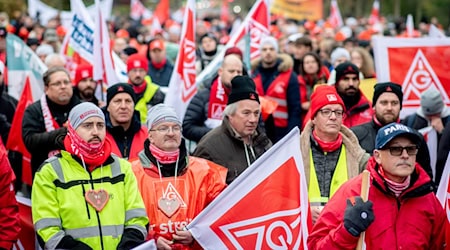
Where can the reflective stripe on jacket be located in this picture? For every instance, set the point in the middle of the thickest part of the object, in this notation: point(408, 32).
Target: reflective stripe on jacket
point(59, 206)
point(277, 91)
point(141, 104)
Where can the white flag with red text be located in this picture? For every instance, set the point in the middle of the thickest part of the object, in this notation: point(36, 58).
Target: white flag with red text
point(266, 207)
point(257, 23)
point(443, 195)
point(375, 14)
point(431, 138)
point(138, 10)
point(103, 62)
point(335, 18)
point(182, 82)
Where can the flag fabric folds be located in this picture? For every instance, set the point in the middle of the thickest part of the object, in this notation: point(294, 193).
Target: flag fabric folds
point(443, 195)
point(335, 18)
point(242, 217)
point(182, 82)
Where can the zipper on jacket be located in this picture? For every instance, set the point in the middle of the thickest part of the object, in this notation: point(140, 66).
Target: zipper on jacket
point(98, 216)
point(125, 147)
point(85, 202)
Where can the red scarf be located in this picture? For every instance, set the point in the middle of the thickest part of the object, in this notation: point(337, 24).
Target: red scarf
point(139, 89)
point(218, 99)
point(396, 188)
point(162, 156)
point(159, 65)
point(94, 154)
point(328, 146)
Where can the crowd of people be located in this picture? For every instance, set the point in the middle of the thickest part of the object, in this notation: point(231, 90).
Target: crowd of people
point(124, 167)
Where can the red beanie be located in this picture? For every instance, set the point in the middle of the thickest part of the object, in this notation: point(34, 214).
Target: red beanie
point(322, 96)
point(83, 71)
point(136, 61)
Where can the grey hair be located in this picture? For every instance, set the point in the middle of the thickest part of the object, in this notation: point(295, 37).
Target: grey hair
point(51, 71)
point(230, 109)
point(52, 57)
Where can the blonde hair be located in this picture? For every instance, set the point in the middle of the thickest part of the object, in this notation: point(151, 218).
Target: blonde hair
point(367, 67)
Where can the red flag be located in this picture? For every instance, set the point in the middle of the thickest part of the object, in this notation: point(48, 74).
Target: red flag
point(242, 218)
point(27, 236)
point(162, 11)
point(15, 142)
point(375, 15)
point(225, 14)
point(443, 195)
point(335, 18)
point(182, 82)
point(138, 10)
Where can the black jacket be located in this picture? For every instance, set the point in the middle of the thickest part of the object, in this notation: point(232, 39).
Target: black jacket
point(367, 132)
point(160, 76)
point(37, 140)
point(194, 127)
point(8, 106)
point(443, 152)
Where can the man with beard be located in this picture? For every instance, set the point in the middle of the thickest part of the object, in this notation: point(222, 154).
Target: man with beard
point(85, 85)
point(358, 108)
point(43, 126)
point(147, 93)
point(387, 103)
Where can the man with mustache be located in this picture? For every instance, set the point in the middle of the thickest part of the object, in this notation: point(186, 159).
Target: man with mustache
point(238, 141)
point(84, 85)
point(147, 93)
point(43, 126)
point(387, 103)
point(358, 108)
point(401, 212)
point(330, 151)
point(85, 197)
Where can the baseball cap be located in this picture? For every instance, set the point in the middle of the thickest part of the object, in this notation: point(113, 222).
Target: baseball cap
point(394, 130)
point(156, 44)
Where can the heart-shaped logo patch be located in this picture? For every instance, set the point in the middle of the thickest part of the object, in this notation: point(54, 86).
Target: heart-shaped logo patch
point(168, 206)
point(97, 199)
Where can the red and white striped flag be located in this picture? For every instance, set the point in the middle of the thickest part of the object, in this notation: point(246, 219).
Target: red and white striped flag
point(443, 195)
point(138, 10)
point(257, 22)
point(103, 62)
point(375, 14)
point(182, 82)
point(335, 18)
point(242, 218)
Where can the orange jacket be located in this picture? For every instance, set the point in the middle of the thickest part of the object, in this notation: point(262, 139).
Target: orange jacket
point(199, 184)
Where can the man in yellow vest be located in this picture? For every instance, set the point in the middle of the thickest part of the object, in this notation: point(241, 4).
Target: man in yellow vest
point(330, 151)
point(148, 94)
point(84, 197)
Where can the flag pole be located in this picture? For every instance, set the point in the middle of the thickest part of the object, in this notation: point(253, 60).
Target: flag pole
point(365, 185)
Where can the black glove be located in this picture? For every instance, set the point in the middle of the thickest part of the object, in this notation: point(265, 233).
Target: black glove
point(68, 242)
point(358, 216)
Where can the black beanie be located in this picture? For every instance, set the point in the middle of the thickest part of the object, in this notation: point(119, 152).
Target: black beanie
point(344, 69)
point(242, 88)
point(382, 87)
point(119, 88)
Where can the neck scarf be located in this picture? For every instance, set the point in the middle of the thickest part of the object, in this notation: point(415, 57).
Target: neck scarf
point(218, 99)
point(159, 65)
point(395, 187)
point(162, 156)
point(94, 154)
point(328, 146)
point(139, 89)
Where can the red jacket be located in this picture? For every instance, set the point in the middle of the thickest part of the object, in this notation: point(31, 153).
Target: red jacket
point(136, 146)
point(9, 210)
point(415, 220)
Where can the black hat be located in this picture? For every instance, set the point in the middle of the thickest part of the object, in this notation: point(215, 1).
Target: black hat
point(346, 68)
point(242, 88)
point(119, 88)
point(32, 41)
point(3, 32)
point(129, 51)
point(382, 87)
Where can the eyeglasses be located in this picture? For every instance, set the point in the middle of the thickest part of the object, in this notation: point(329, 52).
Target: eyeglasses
point(58, 84)
point(397, 151)
point(328, 112)
point(166, 129)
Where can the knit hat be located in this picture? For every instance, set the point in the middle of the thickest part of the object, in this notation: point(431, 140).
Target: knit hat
point(129, 51)
point(338, 53)
point(161, 113)
point(50, 35)
point(431, 102)
point(393, 130)
point(322, 96)
point(269, 40)
point(82, 112)
point(83, 71)
point(242, 88)
point(137, 61)
point(210, 35)
point(44, 50)
point(234, 51)
point(383, 87)
point(156, 44)
point(119, 88)
point(346, 68)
